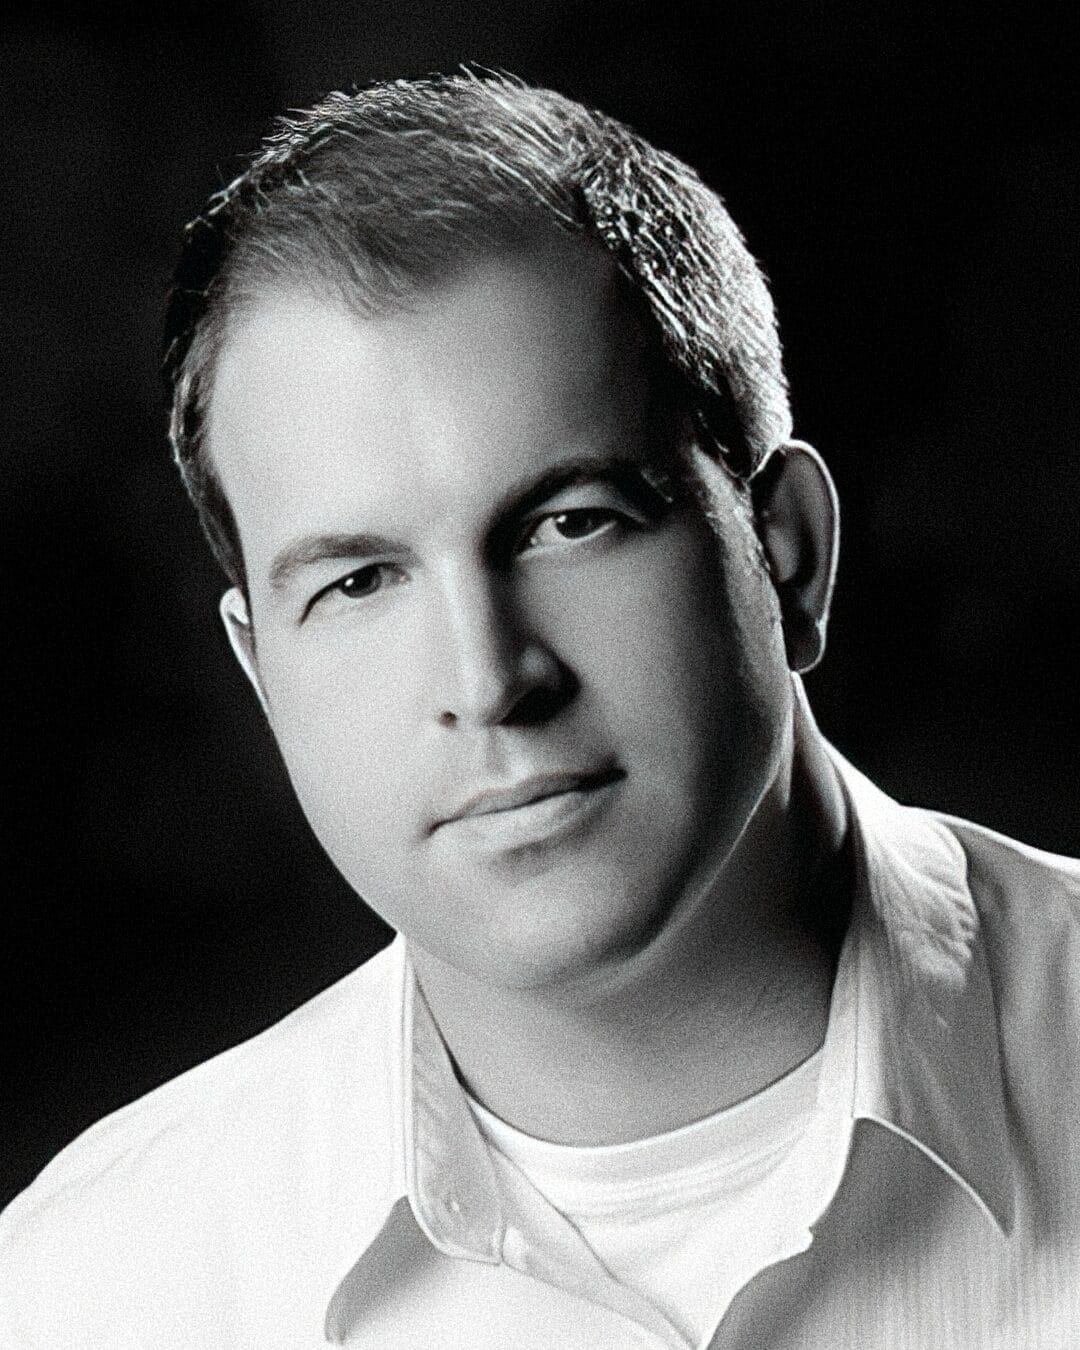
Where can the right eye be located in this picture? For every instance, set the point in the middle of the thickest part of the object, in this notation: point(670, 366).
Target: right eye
point(361, 584)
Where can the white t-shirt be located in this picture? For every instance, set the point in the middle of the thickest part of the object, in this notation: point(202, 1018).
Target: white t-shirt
point(688, 1217)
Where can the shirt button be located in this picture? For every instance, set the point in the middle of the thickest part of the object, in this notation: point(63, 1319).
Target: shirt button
point(516, 1252)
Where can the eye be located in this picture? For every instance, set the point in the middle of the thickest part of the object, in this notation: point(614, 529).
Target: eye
point(560, 528)
point(361, 584)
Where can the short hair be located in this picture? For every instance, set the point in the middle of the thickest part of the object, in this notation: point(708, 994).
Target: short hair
point(381, 191)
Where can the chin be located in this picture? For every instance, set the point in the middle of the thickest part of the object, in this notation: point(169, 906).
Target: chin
point(574, 937)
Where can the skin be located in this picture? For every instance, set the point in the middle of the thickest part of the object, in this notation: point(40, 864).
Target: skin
point(433, 614)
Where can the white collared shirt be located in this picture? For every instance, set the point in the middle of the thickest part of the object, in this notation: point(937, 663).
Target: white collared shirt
point(326, 1181)
point(687, 1217)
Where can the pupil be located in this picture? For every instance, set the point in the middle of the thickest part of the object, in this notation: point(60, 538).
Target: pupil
point(361, 583)
point(575, 524)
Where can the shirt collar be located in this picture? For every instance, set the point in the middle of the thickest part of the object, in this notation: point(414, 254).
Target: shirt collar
point(443, 1185)
point(914, 983)
point(927, 1058)
point(448, 1173)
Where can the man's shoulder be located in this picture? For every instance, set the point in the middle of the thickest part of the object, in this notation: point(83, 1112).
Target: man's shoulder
point(1014, 881)
point(1027, 906)
point(326, 1061)
point(1007, 880)
point(962, 888)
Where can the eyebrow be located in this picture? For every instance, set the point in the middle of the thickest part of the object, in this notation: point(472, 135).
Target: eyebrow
point(639, 480)
point(319, 548)
point(635, 477)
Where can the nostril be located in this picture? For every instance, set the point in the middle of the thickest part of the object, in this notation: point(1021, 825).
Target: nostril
point(542, 702)
point(447, 719)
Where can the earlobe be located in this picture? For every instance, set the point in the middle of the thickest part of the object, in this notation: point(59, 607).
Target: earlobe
point(236, 617)
point(798, 521)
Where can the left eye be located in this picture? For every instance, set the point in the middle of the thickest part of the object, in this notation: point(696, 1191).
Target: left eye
point(568, 527)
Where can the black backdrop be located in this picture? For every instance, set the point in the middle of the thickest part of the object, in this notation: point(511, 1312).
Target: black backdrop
point(905, 169)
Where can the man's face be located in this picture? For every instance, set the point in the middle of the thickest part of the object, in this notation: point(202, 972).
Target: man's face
point(527, 704)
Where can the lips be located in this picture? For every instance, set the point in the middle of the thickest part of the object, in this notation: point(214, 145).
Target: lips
point(503, 799)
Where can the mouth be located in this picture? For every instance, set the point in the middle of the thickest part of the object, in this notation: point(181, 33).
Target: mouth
point(531, 809)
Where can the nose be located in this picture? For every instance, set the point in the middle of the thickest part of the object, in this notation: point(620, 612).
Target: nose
point(493, 670)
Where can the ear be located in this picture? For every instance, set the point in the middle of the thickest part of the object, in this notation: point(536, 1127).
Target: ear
point(237, 620)
point(798, 521)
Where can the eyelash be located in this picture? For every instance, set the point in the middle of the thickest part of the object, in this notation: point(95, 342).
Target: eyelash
point(608, 518)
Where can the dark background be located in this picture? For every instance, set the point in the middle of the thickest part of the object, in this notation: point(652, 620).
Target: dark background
point(908, 174)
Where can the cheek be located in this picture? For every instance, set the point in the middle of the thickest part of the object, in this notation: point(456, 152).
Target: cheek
point(681, 663)
point(345, 724)
point(664, 628)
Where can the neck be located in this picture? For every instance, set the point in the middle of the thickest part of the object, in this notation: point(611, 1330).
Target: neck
point(711, 1014)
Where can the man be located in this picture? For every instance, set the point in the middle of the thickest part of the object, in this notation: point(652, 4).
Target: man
point(691, 1037)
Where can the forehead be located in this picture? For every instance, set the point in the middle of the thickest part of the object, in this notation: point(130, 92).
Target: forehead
point(319, 415)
